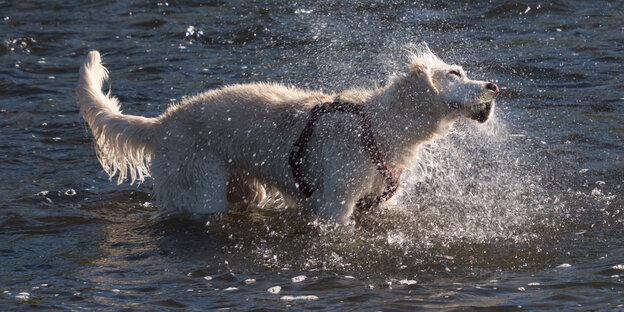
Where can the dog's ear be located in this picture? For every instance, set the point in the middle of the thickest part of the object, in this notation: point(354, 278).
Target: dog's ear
point(423, 72)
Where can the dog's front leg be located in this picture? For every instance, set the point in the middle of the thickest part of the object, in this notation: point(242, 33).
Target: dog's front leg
point(334, 203)
point(341, 189)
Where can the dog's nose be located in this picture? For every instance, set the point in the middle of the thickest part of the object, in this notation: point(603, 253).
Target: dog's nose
point(492, 86)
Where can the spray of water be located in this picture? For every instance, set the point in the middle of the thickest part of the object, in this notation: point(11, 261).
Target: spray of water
point(473, 184)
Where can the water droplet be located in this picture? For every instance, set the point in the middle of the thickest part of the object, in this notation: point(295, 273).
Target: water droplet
point(407, 282)
point(190, 31)
point(275, 289)
point(293, 298)
point(303, 11)
point(23, 296)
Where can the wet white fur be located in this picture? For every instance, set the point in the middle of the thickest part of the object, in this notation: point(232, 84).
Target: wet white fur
point(232, 143)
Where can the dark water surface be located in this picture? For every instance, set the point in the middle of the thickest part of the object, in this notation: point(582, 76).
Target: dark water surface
point(524, 213)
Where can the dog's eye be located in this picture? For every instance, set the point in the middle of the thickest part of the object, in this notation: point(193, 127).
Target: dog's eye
point(455, 73)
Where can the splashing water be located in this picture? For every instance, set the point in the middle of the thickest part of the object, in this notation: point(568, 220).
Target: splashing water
point(475, 184)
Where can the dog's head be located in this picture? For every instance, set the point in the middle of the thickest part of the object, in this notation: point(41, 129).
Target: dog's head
point(449, 89)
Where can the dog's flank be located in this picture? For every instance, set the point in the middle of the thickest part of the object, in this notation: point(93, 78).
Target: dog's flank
point(123, 142)
point(233, 143)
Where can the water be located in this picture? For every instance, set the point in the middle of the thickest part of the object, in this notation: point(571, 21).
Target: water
point(523, 213)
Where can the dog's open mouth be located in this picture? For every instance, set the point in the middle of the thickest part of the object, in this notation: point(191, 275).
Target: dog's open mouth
point(483, 113)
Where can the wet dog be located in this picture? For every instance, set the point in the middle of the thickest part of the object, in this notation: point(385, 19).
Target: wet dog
point(236, 142)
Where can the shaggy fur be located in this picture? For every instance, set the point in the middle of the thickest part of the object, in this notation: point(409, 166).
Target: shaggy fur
point(233, 143)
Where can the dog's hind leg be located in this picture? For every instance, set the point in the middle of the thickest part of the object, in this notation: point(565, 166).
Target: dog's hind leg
point(241, 187)
point(190, 183)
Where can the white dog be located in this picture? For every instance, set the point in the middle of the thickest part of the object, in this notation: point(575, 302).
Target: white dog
point(324, 152)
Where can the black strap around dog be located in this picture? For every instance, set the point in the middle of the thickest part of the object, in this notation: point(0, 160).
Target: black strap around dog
point(391, 177)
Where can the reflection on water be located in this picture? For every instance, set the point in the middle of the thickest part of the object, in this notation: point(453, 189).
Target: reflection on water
point(524, 211)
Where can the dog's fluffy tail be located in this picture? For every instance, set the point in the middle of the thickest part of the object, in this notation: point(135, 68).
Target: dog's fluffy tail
point(123, 143)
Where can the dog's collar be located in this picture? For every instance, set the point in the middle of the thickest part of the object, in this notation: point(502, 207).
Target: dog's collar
point(391, 177)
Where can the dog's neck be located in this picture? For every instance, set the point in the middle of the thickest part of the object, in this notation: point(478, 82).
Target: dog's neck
point(399, 128)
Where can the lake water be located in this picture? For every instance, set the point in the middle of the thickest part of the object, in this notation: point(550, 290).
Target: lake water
point(525, 212)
